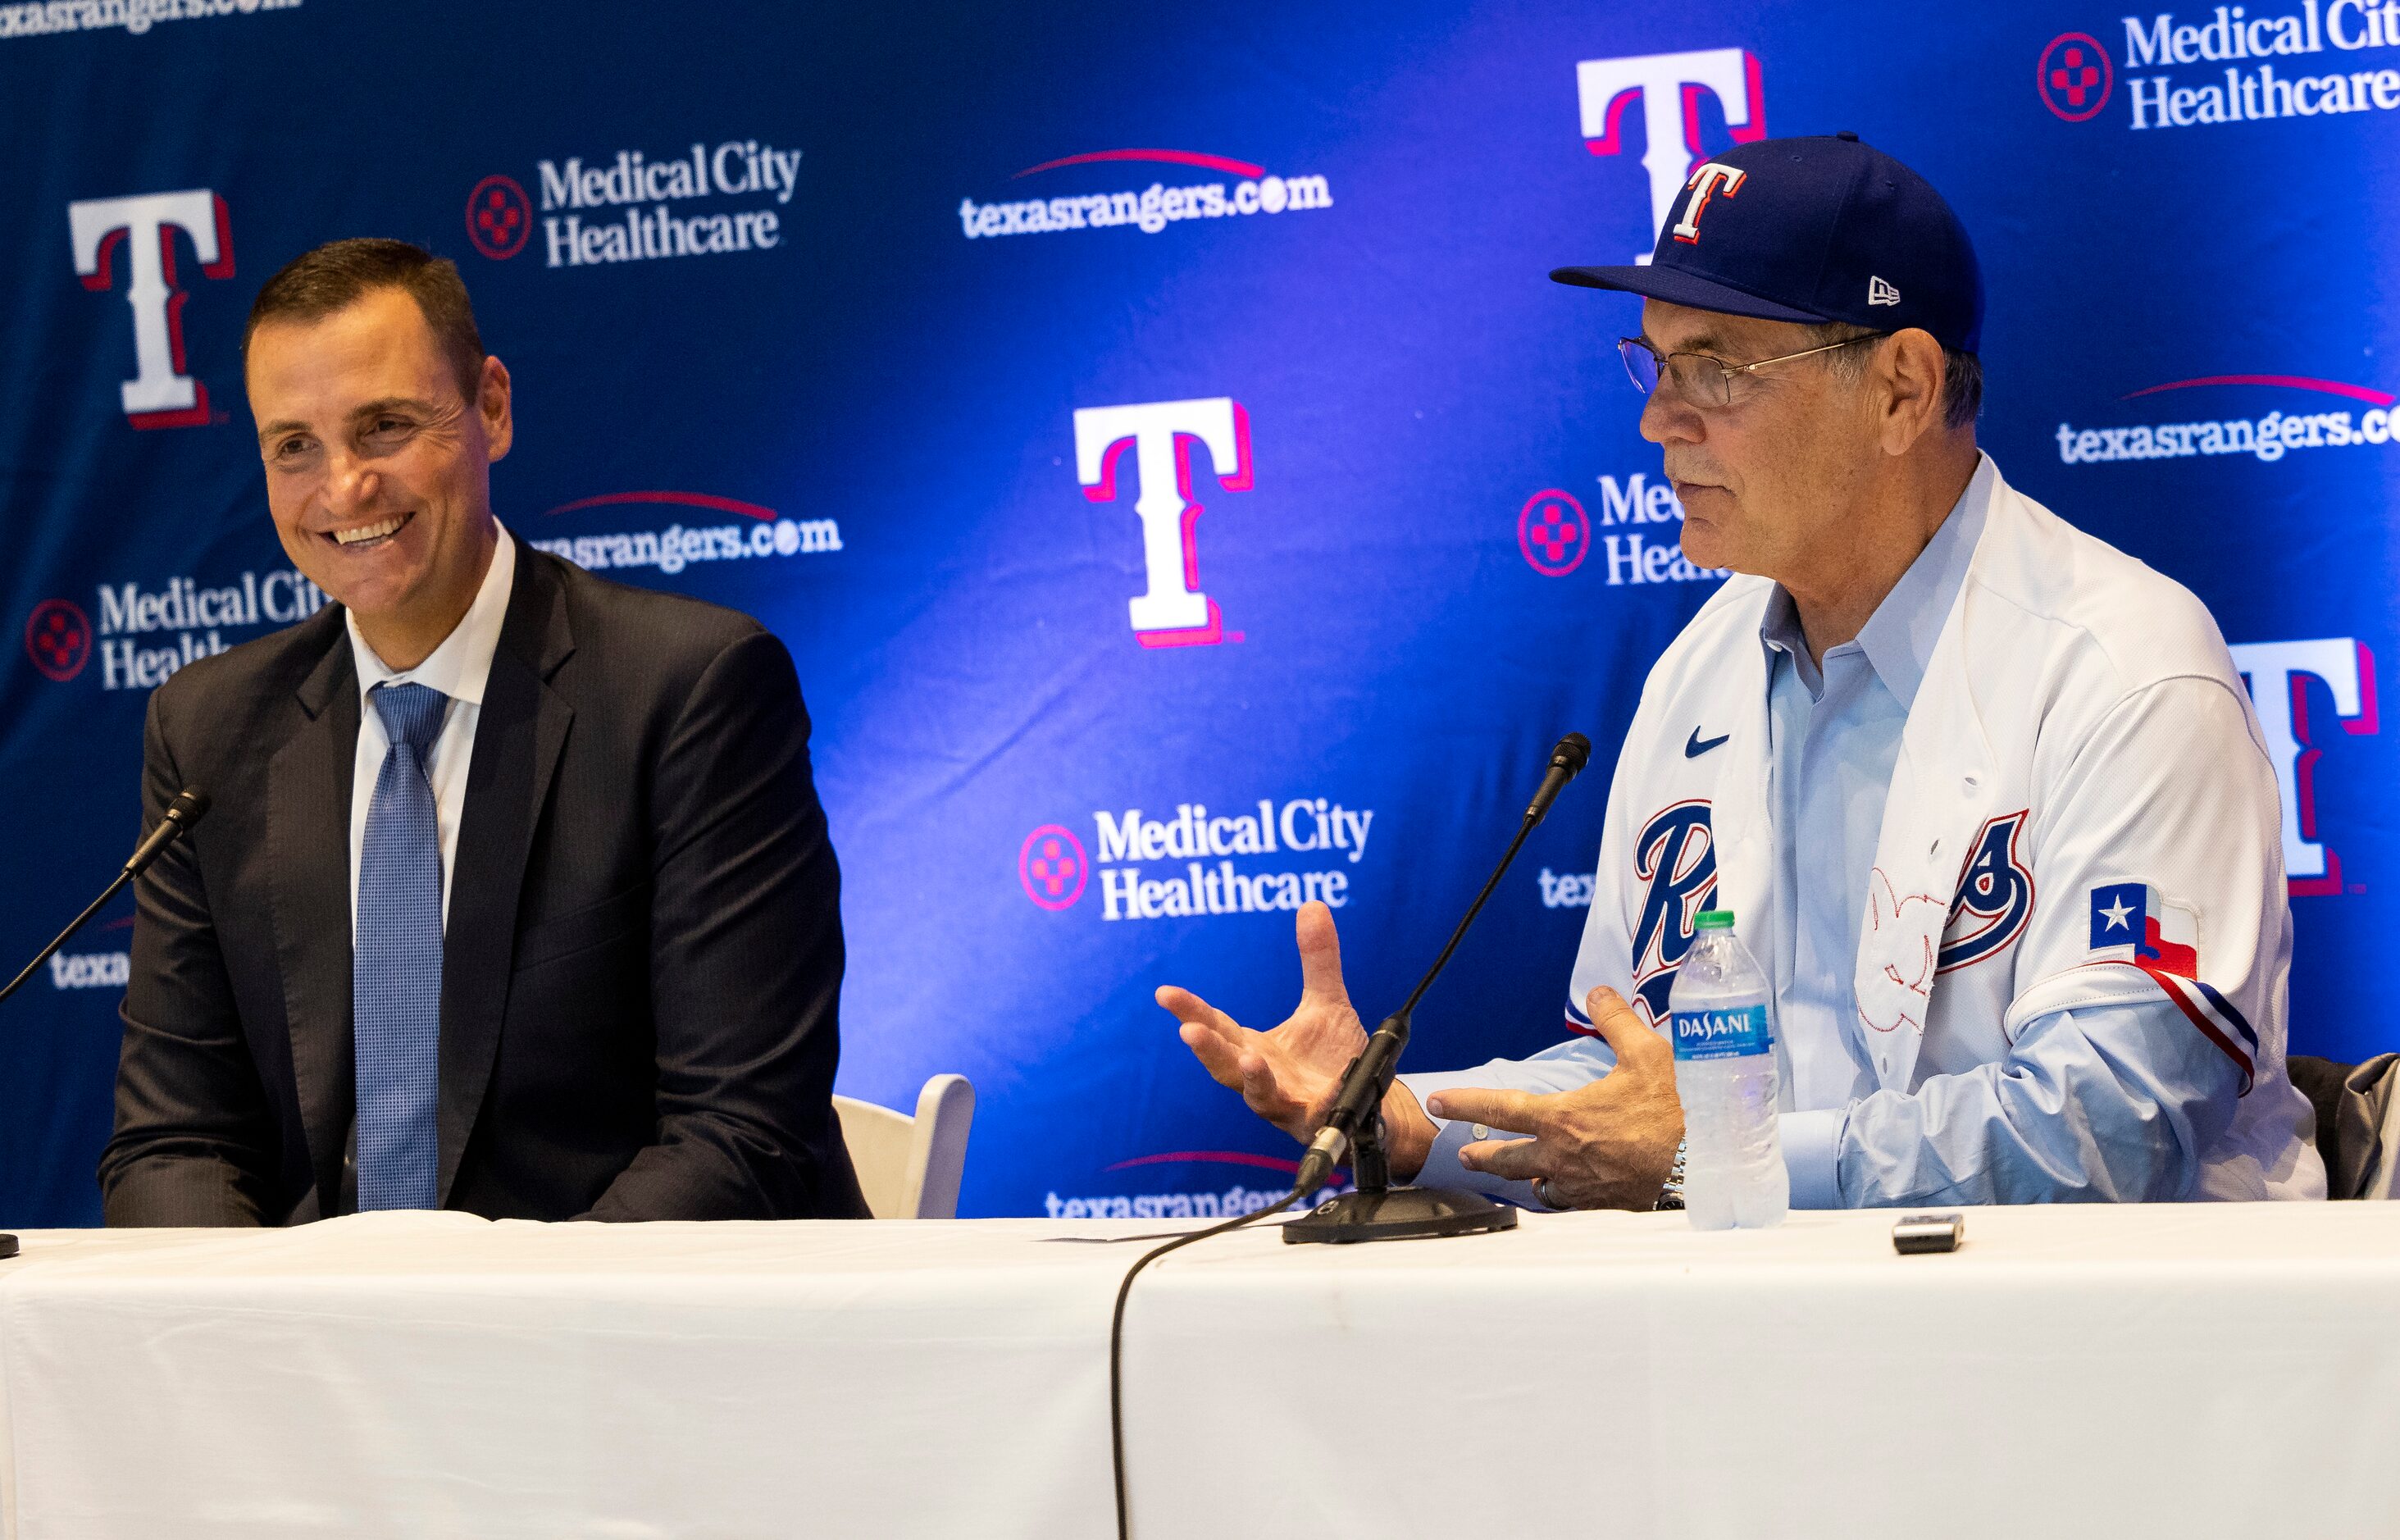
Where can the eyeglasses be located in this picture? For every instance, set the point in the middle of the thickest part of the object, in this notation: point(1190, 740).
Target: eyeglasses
point(1700, 378)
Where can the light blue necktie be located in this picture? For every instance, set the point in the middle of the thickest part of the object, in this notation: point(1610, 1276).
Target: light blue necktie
point(396, 962)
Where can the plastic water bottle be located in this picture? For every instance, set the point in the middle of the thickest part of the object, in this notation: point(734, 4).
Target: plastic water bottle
point(1725, 1072)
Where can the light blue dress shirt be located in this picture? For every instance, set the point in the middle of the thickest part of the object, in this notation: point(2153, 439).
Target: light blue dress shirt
point(1834, 732)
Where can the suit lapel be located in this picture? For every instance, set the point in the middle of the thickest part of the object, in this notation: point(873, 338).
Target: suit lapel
point(519, 735)
point(309, 860)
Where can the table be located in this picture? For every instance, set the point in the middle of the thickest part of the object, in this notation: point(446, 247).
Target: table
point(2193, 1370)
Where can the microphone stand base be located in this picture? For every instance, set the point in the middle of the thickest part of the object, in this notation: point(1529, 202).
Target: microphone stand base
point(1399, 1214)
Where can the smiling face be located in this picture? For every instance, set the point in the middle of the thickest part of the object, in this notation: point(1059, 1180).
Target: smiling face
point(1766, 483)
point(378, 468)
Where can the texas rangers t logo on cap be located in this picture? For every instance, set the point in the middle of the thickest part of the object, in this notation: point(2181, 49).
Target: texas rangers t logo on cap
point(1830, 230)
point(1705, 182)
point(2135, 922)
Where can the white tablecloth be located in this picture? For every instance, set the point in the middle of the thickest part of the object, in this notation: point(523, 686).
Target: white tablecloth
point(2196, 1370)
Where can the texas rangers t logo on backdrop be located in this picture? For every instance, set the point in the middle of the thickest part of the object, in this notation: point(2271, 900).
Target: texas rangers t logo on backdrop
point(1173, 613)
point(2278, 673)
point(1668, 86)
point(1676, 861)
point(160, 394)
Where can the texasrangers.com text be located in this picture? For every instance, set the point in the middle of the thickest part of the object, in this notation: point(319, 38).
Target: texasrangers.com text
point(674, 548)
point(134, 16)
point(2270, 437)
point(1150, 210)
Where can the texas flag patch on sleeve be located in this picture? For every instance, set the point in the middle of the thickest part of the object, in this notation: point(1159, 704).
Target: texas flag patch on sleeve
point(2135, 922)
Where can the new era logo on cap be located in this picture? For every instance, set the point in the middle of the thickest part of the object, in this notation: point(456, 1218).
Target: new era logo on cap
point(1811, 230)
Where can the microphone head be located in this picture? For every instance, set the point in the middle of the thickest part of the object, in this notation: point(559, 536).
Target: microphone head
point(176, 822)
point(1571, 754)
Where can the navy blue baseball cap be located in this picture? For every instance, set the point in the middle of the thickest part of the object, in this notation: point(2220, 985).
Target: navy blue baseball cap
point(1816, 229)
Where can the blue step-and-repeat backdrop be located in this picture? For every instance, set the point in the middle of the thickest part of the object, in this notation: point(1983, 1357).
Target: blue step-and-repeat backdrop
point(1153, 433)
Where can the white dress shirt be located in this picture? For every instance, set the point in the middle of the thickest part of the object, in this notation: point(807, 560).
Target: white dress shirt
point(459, 668)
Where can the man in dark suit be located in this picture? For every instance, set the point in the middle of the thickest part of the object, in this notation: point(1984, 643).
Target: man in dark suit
point(516, 897)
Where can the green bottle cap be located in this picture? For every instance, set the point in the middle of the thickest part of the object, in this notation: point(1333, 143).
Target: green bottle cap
point(1713, 919)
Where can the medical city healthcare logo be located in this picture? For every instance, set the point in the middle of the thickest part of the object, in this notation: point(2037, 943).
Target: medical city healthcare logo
point(1152, 210)
point(500, 217)
point(143, 228)
point(2075, 76)
point(1670, 88)
point(1641, 540)
point(580, 217)
point(58, 638)
point(1052, 866)
point(1553, 532)
point(146, 632)
point(1172, 611)
point(1203, 878)
point(2233, 65)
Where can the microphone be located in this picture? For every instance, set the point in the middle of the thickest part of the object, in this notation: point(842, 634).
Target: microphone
point(189, 806)
point(1377, 1211)
point(1360, 1099)
point(1566, 762)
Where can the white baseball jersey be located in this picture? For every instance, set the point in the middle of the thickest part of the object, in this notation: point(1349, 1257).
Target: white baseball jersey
point(2082, 816)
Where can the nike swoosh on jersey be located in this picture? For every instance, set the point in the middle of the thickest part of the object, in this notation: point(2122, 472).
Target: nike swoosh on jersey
point(1695, 745)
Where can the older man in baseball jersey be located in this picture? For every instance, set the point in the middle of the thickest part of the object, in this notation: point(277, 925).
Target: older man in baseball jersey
point(1986, 796)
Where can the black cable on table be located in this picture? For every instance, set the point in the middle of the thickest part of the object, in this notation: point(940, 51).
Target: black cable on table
point(1116, 1341)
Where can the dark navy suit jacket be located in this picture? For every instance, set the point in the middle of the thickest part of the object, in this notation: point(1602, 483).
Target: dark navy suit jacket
point(641, 966)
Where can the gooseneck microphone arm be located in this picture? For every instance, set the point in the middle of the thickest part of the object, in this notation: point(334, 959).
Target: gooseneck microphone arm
point(1356, 1124)
point(1360, 1099)
point(190, 804)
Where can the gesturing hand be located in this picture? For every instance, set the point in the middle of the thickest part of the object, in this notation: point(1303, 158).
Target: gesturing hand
point(1289, 1075)
point(1606, 1145)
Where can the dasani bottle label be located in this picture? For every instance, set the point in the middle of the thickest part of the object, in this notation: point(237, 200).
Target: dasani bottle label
point(1722, 1033)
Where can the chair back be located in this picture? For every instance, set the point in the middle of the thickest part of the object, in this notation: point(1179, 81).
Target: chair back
point(909, 1168)
point(2358, 1123)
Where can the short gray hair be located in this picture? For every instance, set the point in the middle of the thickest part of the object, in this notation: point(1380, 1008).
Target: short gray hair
point(1962, 373)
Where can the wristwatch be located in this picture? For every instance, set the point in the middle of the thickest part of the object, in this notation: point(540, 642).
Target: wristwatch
point(1672, 1195)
